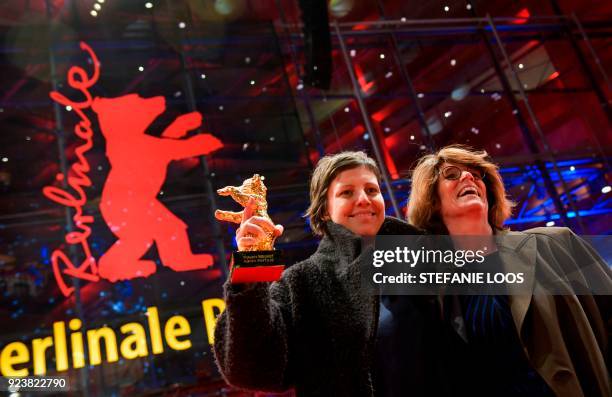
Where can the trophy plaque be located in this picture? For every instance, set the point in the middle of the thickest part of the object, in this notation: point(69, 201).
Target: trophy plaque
point(260, 262)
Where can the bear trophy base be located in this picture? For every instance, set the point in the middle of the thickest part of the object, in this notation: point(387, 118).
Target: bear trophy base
point(256, 266)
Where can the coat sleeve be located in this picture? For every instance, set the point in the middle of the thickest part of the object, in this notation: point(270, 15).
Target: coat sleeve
point(252, 336)
point(591, 267)
point(598, 271)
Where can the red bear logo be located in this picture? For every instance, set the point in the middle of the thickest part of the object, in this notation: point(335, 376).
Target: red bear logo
point(129, 203)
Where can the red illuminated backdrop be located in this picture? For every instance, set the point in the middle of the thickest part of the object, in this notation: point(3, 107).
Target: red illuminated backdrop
point(129, 203)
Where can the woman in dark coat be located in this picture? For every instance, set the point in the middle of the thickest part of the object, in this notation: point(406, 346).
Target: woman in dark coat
point(314, 330)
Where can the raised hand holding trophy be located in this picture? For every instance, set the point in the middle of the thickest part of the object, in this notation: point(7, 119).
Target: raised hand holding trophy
point(259, 262)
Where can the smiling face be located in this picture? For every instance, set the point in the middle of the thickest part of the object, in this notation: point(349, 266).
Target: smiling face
point(461, 197)
point(354, 201)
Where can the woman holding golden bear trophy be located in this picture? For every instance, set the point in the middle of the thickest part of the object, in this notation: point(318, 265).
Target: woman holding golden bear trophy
point(315, 331)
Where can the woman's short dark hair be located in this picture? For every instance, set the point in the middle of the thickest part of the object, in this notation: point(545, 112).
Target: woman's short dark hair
point(324, 173)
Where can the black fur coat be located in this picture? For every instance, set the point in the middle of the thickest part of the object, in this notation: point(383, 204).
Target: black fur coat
point(313, 330)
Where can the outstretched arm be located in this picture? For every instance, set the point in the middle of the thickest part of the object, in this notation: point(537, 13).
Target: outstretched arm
point(183, 124)
point(198, 145)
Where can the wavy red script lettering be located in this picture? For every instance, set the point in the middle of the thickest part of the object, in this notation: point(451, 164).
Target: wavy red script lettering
point(77, 180)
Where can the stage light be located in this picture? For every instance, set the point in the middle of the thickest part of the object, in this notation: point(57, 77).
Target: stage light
point(412, 137)
point(572, 168)
point(5, 159)
point(221, 107)
point(140, 68)
point(68, 108)
point(93, 13)
point(387, 129)
point(97, 6)
point(382, 56)
point(403, 19)
point(420, 95)
point(101, 1)
point(459, 93)
point(149, 5)
point(247, 60)
point(453, 62)
point(182, 25)
point(353, 53)
point(446, 8)
point(340, 8)
point(224, 7)
point(606, 189)
point(497, 146)
point(434, 125)
point(520, 66)
point(388, 75)
point(346, 109)
point(550, 223)
point(475, 130)
point(366, 136)
point(252, 82)
point(448, 114)
point(468, 6)
point(272, 139)
point(203, 76)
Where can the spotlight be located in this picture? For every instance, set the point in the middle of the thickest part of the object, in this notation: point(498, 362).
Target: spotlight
point(340, 8)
